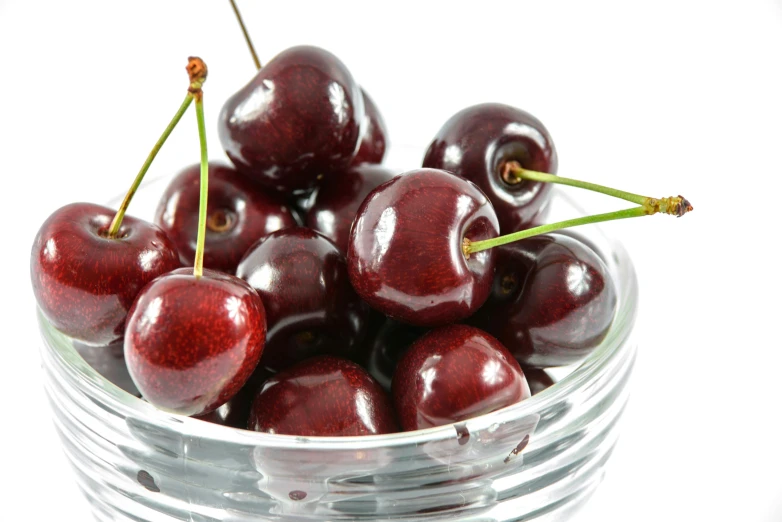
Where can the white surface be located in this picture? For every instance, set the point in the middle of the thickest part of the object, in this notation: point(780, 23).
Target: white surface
point(661, 98)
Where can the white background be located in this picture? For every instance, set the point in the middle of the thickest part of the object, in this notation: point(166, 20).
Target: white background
point(662, 98)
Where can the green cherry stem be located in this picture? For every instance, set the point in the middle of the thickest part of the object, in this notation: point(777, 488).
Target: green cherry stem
point(512, 172)
point(196, 83)
point(198, 268)
point(677, 206)
point(246, 35)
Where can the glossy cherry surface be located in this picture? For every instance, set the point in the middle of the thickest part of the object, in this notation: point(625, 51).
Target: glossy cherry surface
point(385, 347)
point(238, 214)
point(323, 396)
point(311, 309)
point(85, 282)
point(405, 251)
point(476, 141)
point(297, 120)
point(455, 373)
point(337, 200)
point(552, 302)
point(374, 138)
point(192, 343)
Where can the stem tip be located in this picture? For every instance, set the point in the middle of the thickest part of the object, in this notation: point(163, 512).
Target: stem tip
point(197, 71)
point(684, 206)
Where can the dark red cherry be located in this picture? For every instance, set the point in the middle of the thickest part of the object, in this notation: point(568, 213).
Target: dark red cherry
point(552, 302)
point(374, 138)
point(296, 121)
point(455, 373)
point(323, 396)
point(85, 282)
point(405, 253)
point(386, 346)
point(476, 142)
point(311, 309)
point(537, 379)
point(336, 201)
point(109, 362)
point(238, 214)
point(192, 343)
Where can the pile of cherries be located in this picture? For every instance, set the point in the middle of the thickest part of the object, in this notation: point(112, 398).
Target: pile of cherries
point(339, 297)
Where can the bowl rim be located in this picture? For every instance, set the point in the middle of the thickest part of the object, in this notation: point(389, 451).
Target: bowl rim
point(69, 362)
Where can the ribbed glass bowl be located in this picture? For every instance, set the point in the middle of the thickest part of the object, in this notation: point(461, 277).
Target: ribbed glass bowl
point(539, 459)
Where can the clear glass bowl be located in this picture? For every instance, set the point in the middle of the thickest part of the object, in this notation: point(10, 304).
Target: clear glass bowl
point(539, 459)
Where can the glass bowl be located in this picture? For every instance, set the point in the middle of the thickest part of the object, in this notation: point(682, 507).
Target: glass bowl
point(539, 459)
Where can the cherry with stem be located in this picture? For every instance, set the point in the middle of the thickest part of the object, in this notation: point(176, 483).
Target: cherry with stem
point(413, 220)
point(193, 339)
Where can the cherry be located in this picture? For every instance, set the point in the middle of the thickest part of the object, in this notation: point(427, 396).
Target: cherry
point(405, 253)
point(537, 379)
point(194, 337)
point(311, 308)
point(384, 349)
point(452, 374)
point(478, 141)
point(85, 281)
point(336, 201)
point(192, 342)
point(322, 396)
point(374, 138)
point(296, 121)
point(552, 302)
point(238, 214)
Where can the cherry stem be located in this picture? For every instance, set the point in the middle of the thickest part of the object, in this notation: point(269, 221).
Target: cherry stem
point(198, 268)
point(196, 80)
point(470, 247)
point(117, 221)
point(512, 172)
point(677, 206)
point(246, 35)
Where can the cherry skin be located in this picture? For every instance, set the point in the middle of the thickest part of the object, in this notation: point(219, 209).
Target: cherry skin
point(374, 138)
point(297, 120)
point(84, 281)
point(452, 374)
point(384, 349)
point(311, 309)
point(323, 396)
point(336, 201)
point(192, 343)
point(238, 214)
point(552, 302)
point(405, 250)
point(476, 141)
